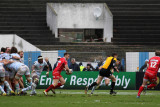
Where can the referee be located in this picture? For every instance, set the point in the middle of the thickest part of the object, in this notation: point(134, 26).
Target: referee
point(110, 63)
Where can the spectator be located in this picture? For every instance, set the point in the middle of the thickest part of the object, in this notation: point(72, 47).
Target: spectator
point(56, 62)
point(144, 67)
point(81, 66)
point(88, 68)
point(100, 63)
point(74, 66)
point(120, 66)
point(49, 65)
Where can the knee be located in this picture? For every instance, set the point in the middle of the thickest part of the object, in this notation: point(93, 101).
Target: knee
point(63, 82)
point(107, 83)
point(36, 81)
point(114, 80)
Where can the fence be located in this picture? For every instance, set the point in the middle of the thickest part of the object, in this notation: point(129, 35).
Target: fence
point(78, 80)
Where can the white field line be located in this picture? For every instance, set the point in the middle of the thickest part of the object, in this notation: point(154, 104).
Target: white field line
point(103, 93)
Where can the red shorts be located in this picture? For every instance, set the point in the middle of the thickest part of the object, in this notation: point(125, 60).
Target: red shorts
point(150, 76)
point(56, 75)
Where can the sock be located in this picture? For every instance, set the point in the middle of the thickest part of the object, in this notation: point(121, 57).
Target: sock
point(112, 86)
point(27, 88)
point(30, 83)
point(2, 86)
point(50, 87)
point(33, 87)
point(94, 87)
point(59, 84)
point(140, 90)
point(151, 85)
point(93, 84)
point(8, 86)
point(17, 88)
point(1, 89)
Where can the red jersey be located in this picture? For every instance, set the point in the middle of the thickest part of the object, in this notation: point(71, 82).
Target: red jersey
point(154, 65)
point(60, 65)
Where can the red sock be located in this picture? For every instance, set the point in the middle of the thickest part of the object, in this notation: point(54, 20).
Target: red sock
point(59, 84)
point(140, 90)
point(49, 88)
point(151, 85)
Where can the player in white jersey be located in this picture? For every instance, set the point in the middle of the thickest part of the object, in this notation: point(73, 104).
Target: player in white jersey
point(20, 70)
point(21, 53)
point(3, 82)
point(37, 68)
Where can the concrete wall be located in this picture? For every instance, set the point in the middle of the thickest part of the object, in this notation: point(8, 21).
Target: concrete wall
point(80, 16)
point(108, 24)
point(136, 60)
point(52, 55)
point(9, 40)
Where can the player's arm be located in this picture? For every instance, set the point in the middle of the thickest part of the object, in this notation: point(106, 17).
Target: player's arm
point(5, 62)
point(47, 73)
point(33, 68)
point(115, 64)
point(100, 68)
point(16, 57)
point(68, 71)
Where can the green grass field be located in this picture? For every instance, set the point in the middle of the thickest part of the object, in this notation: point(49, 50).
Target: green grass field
point(77, 98)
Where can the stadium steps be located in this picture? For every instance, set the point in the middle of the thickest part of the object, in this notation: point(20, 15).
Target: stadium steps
point(26, 19)
point(132, 19)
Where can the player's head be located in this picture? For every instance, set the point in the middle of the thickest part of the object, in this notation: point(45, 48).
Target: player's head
point(73, 60)
point(3, 50)
point(40, 59)
point(21, 53)
point(115, 55)
point(66, 55)
point(14, 50)
point(8, 50)
point(157, 53)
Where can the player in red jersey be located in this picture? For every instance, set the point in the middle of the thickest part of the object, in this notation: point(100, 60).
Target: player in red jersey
point(61, 65)
point(151, 73)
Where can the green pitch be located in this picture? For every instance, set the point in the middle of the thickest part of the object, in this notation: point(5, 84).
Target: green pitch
point(77, 98)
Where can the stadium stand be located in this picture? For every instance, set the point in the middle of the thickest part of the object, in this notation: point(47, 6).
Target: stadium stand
point(135, 22)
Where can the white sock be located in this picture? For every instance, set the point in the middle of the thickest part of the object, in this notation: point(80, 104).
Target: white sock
point(2, 90)
point(7, 85)
point(33, 87)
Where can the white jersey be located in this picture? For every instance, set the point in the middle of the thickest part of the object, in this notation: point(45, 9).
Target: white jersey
point(5, 56)
point(2, 70)
point(15, 54)
point(39, 67)
point(14, 66)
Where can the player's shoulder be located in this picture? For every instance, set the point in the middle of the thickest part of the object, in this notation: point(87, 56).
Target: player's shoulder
point(36, 62)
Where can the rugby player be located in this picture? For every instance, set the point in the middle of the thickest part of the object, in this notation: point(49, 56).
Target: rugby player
point(110, 63)
point(3, 82)
point(57, 78)
point(19, 69)
point(37, 68)
point(151, 73)
point(21, 53)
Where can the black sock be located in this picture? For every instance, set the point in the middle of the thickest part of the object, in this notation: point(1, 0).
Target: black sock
point(112, 86)
point(93, 84)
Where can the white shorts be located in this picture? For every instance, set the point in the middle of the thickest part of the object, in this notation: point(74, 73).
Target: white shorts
point(23, 70)
point(12, 74)
point(7, 73)
point(35, 74)
point(2, 72)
